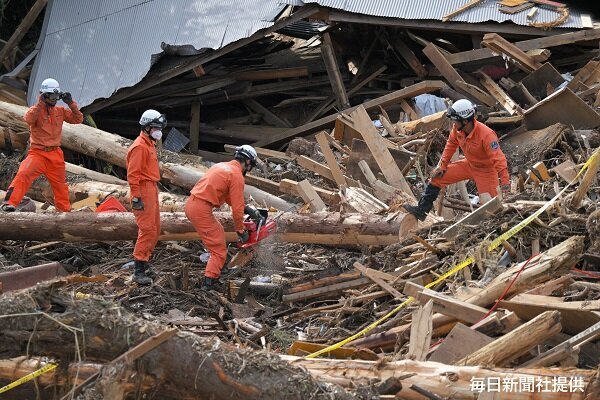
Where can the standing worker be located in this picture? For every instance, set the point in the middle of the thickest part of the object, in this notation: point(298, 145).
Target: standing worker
point(143, 175)
point(45, 156)
point(484, 161)
point(222, 183)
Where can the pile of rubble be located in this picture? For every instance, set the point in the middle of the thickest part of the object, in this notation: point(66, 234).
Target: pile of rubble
point(482, 300)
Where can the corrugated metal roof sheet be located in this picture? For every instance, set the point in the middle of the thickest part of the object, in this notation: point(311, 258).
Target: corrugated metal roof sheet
point(94, 47)
point(436, 9)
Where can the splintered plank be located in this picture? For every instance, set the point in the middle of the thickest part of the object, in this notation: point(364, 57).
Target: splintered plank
point(338, 176)
point(310, 196)
point(379, 281)
point(500, 95)
point(421, 330)
point(483, 212)
point(390, 98)
point(516, 342)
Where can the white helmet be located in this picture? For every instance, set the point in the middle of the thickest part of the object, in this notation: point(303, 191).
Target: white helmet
point(50, 85)
point(248, 152)
point(461, 109)
point(154, 119)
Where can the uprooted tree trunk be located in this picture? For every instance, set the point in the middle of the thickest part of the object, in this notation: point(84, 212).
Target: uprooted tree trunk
point(319, 228)
point(113, 149)
point(185, 366)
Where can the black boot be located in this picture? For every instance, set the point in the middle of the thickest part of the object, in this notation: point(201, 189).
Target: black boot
point(209, 283)
point(430, 194)
point(7, 207)
point(139, 274)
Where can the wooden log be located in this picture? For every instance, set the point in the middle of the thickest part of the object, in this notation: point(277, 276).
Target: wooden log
point(517, 342)
point(113, 149)
point(323, 228)
point(447, 381)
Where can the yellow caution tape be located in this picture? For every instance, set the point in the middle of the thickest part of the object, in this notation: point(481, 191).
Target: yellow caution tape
point(28, 377)
point(497, 242)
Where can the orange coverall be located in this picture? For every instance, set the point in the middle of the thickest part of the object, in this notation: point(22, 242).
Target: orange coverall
point(142, 175)
point(484, 161)
point(45, 156)
point(222, 183)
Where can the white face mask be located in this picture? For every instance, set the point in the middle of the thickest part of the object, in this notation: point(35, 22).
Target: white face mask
point(156, 135)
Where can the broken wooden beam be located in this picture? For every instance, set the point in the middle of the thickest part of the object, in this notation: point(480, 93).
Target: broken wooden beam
point(500, 45)
point(531, 44)
point(517, 342)
point(333, 71)
point(29, 276)
point(310, 196)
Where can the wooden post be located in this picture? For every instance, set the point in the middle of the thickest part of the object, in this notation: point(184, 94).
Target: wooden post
point(22, 28)
point(333, 70)
point(194, 128)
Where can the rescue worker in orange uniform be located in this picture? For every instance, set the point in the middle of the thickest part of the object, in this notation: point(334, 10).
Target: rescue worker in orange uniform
point(484, 161)
point(45, 156)
point(222, 183)
point(143, 175)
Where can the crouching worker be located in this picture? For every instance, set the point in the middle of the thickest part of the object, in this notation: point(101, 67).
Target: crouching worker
point(484, 161)
point(143, 175)
point(222, 183)
point(45, 156)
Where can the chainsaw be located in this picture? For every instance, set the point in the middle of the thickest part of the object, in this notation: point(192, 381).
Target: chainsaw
point(258, 229)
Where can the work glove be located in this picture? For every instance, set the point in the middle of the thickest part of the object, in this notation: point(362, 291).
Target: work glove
point(437, 172)
point(66, 97)
point(243, 236)
point(137, 203)
point(505, 190)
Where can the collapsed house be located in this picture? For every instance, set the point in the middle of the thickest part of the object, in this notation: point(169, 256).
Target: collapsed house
point(345, 103)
